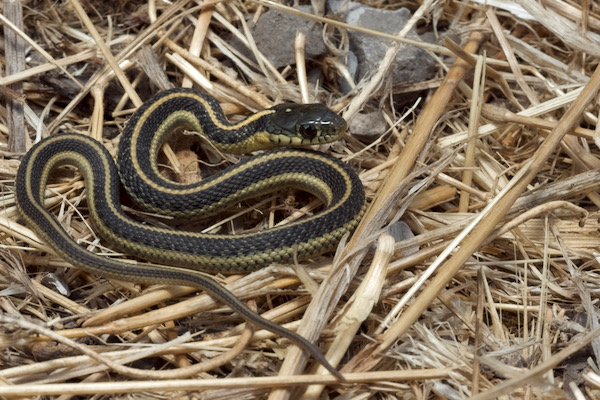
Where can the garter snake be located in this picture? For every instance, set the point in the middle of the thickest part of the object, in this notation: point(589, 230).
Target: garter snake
point(183, 254)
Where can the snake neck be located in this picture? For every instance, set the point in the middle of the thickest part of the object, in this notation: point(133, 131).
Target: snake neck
point(195, 111)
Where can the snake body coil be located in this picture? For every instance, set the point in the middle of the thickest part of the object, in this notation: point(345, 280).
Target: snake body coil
point(185, 253)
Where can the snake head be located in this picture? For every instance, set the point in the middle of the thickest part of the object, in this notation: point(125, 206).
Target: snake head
point(304, 124)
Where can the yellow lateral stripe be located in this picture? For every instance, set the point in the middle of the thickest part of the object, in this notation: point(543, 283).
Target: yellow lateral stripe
point(336, 185)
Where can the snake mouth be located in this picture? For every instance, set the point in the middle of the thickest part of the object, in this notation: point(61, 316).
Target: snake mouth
point(298, 141)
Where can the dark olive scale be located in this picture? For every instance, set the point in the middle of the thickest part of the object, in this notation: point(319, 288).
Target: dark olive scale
point(185, 200)
point(186, 101)
point(324, 176)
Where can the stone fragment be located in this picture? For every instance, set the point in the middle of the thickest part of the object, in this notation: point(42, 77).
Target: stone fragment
point(367, 126)
point(275, 33)
point(412, 64)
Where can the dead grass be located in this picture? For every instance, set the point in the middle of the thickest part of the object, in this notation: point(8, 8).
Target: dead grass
point(495, 172)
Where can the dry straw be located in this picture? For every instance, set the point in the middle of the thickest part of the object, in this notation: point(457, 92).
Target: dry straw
point(492, 165)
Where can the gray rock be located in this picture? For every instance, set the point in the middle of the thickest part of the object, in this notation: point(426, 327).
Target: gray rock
point(275, 33)
point(367, 126)
point(401, 231)
point(411, 65)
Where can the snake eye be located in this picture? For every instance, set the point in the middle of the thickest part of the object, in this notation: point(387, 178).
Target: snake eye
point(308, 131)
